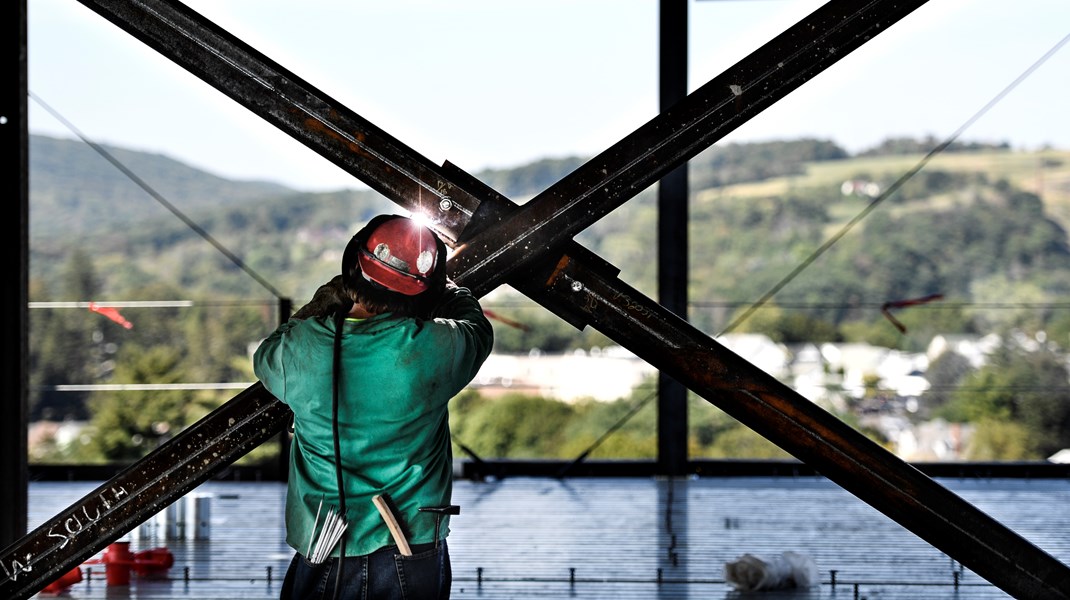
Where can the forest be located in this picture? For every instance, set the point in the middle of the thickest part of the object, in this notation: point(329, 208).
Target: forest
point(982, 227)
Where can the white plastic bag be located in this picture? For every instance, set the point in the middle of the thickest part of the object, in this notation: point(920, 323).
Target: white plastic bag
point(751, 573)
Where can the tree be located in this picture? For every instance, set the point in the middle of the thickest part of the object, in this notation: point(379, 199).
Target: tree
point(993, 439)
point(714, 434)
point(515, 425)
point(1025, 384)
point(786, 326)
point(944, 375)
point(532, 327)
point(68, 346)
point(126, 425)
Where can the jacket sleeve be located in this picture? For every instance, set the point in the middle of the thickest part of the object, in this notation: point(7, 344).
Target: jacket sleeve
point(469, 326)
point(270, 359)
point(329, 299)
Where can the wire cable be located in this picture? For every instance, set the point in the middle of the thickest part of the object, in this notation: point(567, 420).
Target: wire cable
point(336, 383)
point(892, 189)
point(158, 197)
point(612, 429)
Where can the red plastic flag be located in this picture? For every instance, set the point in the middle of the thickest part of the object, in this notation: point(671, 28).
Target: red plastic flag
point(885, 308)
point(507, 321)
point(112, 313)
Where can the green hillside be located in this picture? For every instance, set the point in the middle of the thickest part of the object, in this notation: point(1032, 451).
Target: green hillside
point(75, 189)
point(976, 216)
point(982, 228)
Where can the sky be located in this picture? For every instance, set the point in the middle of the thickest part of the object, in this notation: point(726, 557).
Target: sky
point(493, 84)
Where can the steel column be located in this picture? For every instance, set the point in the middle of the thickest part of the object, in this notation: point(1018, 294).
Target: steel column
point(14, 374)
point(672, 235)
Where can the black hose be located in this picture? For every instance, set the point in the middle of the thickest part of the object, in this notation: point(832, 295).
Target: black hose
point(339, 321)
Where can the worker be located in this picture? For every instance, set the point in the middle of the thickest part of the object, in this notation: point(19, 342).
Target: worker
point(368, 367)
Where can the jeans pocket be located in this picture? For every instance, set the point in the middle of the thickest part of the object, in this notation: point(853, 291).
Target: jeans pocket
point(425, 575)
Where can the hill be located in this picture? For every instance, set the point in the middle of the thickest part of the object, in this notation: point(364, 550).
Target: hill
point(75, 189)
point(977, 219)
point(982, 228)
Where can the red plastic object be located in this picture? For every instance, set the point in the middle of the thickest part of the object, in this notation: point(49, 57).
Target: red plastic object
point(119, 561)
point(72, 577)
point(153, 561)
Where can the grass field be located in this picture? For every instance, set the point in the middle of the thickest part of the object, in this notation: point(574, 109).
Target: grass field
point(1045, 173)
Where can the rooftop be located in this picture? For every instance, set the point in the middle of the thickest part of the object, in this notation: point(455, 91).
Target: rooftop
point(614, 538)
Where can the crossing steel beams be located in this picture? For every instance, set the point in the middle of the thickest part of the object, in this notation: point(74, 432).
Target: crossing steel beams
point(531, 248)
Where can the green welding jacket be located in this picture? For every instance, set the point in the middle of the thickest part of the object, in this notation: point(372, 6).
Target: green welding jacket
point(397, 376)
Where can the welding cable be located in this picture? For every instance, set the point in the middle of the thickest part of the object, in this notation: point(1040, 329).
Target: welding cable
point(336, 376)
point(613, 429)
point(892, 189)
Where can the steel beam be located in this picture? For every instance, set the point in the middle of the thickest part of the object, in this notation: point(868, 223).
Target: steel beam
point(678, 134)
point(140, 491)
point(571, 283)
point(837, 451)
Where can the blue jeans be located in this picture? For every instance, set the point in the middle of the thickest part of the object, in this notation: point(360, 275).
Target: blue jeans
point(383, 574)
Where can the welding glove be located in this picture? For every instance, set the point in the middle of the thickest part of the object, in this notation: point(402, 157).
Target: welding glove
point(328, 300)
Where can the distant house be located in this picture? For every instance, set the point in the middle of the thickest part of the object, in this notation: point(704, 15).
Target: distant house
point(607, 374)
point(933, 440)
point(975, 349)
point(814, 379)
point(898, 372)
point(759, 350)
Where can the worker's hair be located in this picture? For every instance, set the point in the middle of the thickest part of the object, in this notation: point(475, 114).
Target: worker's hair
point(376, 298)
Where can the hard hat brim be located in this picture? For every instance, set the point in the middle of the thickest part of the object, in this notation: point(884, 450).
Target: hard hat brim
point(392, 279)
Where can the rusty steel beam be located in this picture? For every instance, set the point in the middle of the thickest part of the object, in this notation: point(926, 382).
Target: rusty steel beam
point(573, 287)
point(837, 451)
point(293, 105)
point(140, 491)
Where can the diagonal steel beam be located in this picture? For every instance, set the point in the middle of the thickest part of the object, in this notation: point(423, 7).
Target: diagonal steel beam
point(577, 282)
point(140, 491)
point(693, 124)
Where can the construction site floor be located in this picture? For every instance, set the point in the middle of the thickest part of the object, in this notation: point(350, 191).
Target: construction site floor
point(614, 538)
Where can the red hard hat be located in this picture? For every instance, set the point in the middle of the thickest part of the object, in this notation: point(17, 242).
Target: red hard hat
point(400, 255)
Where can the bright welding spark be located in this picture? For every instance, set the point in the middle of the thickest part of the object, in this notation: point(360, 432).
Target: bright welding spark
point(421, 219)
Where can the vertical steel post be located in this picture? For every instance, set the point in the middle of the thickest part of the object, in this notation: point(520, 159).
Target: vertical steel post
point(13, 133)
point(672, 235)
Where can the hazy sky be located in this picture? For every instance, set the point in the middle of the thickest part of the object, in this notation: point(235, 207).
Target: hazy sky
point(487, 83)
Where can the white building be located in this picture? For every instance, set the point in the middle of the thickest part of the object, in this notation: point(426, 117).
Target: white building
point(603, 374)
point(897, 371)
point(974, 348)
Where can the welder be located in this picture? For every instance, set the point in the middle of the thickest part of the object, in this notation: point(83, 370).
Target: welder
point(368, 367)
